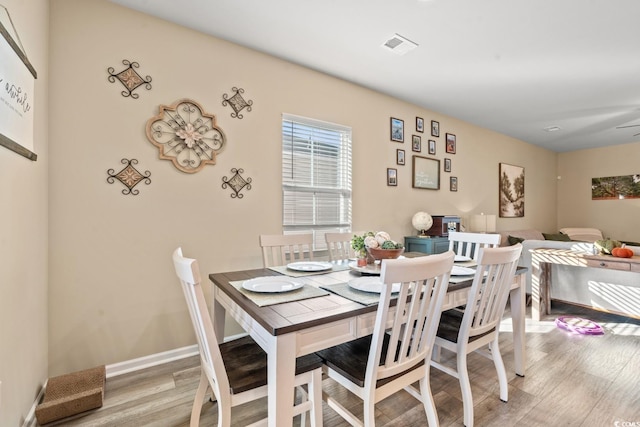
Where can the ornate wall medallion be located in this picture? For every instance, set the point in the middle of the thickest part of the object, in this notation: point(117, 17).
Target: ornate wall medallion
point(237, 102)
point(129, 176)
point(129, 78)
point(186, 135)
point(237, 183)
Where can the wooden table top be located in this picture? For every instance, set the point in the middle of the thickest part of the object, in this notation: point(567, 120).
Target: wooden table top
point(297, 315)
point(585, 255)
point(291, 316)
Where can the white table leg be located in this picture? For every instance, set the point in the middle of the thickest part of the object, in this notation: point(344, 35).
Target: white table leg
point(518, 307)
point(535, 287)
point(281, 361)
point(218, 314)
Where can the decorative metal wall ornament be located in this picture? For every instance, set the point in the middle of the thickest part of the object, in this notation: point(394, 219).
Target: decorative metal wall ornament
point(237, 102)
point(186, 135)
point(237, 183)
point(129, 78)
point(129, 176)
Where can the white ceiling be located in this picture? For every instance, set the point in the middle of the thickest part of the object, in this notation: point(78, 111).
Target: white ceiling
point(514, 66)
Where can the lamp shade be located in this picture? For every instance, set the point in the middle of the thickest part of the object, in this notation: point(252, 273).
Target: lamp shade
point(483, 223)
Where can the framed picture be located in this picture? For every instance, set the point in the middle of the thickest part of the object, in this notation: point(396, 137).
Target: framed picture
point(426, 173)
point(397, 130)
point(17, 109)
point(451, 143)
point(432, 147)
point(416, 143)
point(511, 191)
point(435, 128)
point(399, 156)
point(419, 124)
point(615, 187)
point(447, 165)
point(453, 183)
point(392, 177)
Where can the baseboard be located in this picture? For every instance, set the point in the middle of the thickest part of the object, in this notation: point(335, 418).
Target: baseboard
point(30, 420)
point(127, 366)
point(132, 365)
point(144, 362)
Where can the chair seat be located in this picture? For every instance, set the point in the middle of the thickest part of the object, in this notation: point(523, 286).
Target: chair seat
point(246, 364)
point(449, 327)
point(350, 360)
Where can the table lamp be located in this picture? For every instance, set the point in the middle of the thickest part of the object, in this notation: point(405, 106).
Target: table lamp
point(483, 223)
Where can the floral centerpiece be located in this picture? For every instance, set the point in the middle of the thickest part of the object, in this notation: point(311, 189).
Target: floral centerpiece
point(375, 246)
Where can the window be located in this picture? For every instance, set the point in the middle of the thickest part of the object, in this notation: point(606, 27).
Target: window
point(316, 177)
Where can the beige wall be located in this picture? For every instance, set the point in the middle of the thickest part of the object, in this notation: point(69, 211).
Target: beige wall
point(23, 235)
point(113, 294)
point(618, 219)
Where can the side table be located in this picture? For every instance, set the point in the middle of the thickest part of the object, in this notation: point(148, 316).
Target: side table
point(427, 245)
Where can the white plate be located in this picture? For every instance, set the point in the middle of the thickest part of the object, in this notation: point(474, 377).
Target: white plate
point(461, 258)
point(371, 284)
point(309, 266)
point(462, 271)
point(271, 284)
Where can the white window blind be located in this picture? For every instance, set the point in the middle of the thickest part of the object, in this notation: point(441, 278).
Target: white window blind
point(316, 177)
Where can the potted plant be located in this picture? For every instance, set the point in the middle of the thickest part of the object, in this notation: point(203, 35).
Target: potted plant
point(372, 246)
point(358, 246)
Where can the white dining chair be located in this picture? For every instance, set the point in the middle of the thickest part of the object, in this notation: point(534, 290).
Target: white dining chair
point(396, 354)
point(469, 244)
point(478, 326)
point(281, 249)
point(339, 246)
point(236, 371)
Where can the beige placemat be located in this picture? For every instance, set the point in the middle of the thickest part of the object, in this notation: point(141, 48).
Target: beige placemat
point(458, 279)
point(469, 264)
point(263, 299)
point(282, 269)
point(361, 297)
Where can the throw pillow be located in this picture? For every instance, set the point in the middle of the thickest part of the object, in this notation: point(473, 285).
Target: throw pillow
point(514, 240)
point(559, 237)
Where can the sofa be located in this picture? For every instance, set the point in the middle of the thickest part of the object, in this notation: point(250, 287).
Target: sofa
point(607, 290)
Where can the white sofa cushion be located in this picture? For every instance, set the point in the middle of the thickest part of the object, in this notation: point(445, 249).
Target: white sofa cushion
point(582, 234)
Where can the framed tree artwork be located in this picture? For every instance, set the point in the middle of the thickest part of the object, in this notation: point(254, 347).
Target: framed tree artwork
point(511, 191)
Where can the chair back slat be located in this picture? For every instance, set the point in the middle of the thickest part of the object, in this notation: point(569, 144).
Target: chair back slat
point(188, 272)
point(339, 246)
point(469, 244)
point(281, 249)
point(423, 286)
point(490, 289)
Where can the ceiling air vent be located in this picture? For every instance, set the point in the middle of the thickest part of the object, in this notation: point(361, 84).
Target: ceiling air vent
point(399, 45)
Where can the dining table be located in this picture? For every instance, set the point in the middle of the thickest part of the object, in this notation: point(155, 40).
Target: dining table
point(322, 312)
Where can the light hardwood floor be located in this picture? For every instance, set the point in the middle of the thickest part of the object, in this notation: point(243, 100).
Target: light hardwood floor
point(571, 380)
